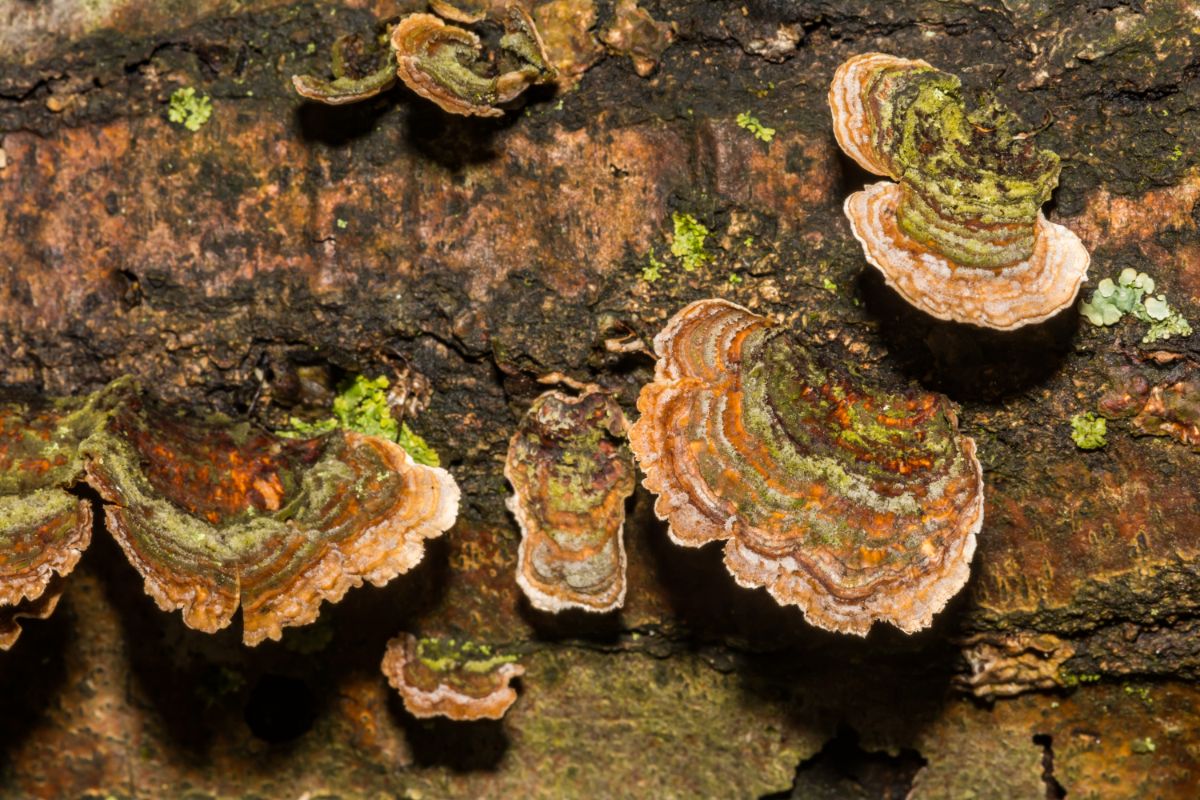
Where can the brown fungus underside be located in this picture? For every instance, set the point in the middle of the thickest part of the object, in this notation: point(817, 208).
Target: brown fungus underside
point(571, 474)
point(854, 503)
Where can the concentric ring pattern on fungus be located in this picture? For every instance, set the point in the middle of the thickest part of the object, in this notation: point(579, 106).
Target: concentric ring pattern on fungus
point(960, 235)
point(215, 515)
point(854, 503)
point(456, 679)
point(571, 473)
point(44, 529)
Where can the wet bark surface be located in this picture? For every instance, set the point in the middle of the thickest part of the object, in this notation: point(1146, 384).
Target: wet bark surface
point(248, 266)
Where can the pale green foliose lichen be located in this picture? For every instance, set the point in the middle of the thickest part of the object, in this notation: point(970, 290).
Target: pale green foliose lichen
point(189, 109)
point(1132, 294)
point(417, 447)
point(1089, 431)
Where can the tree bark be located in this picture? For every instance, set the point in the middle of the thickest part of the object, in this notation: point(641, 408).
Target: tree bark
point(284, 244)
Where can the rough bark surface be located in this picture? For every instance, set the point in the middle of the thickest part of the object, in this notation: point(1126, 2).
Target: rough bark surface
point(227, 266)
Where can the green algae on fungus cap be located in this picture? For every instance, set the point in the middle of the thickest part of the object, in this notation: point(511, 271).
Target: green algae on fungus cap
point(571, 473)
point(352, 81)
point(450, 678)
point(854, 503)
point(961, 236)
point(215, 514)
point(443, 63)
point(44, 529)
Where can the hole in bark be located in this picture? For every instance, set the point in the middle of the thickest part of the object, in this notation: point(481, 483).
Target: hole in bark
point(843, 770)
point(280, 709)
point(131, 293)
point(1054, 789)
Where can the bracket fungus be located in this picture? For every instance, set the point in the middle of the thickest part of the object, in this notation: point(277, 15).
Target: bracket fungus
point(960, 233)
point(215, 515)
point(854, 503)
point(352, 80)
point(571, 474)
point(443, 63)
point(449, 678)
point(44, 529)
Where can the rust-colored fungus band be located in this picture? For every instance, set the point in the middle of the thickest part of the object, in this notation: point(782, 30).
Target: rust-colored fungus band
point(444, 677)
point(571, 474)
point(854, 503)
point(215, 515)
point(960, 235)
point(44, 529)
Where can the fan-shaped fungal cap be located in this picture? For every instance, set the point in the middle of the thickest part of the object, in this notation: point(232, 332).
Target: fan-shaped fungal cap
point(1029, 291)
point(442, 63)
point(962, 236)
point(448, 678)
point(214, 515)
point(854, 503)
point(571, 474)
point(350, 83)
point(861, 98)
point(43, 528)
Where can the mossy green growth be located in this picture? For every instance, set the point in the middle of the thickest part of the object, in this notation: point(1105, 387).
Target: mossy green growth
point(1132, 294)
point(453, 655)
point(688, 244)
point(1143, 746)
point(189, 109)
point(750, 123)
point(1088, 431)
point(974, 182)
point(653, 269)
point(1073, 679)
point(362, 406)
point(417, 447)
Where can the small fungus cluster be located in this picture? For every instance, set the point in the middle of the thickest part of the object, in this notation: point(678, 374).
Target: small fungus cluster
point(636, 34)
point(214, 514)
point(442, 63)
point(451, 678)
point(571, 474)
point(855, 503)
point(958, 231)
